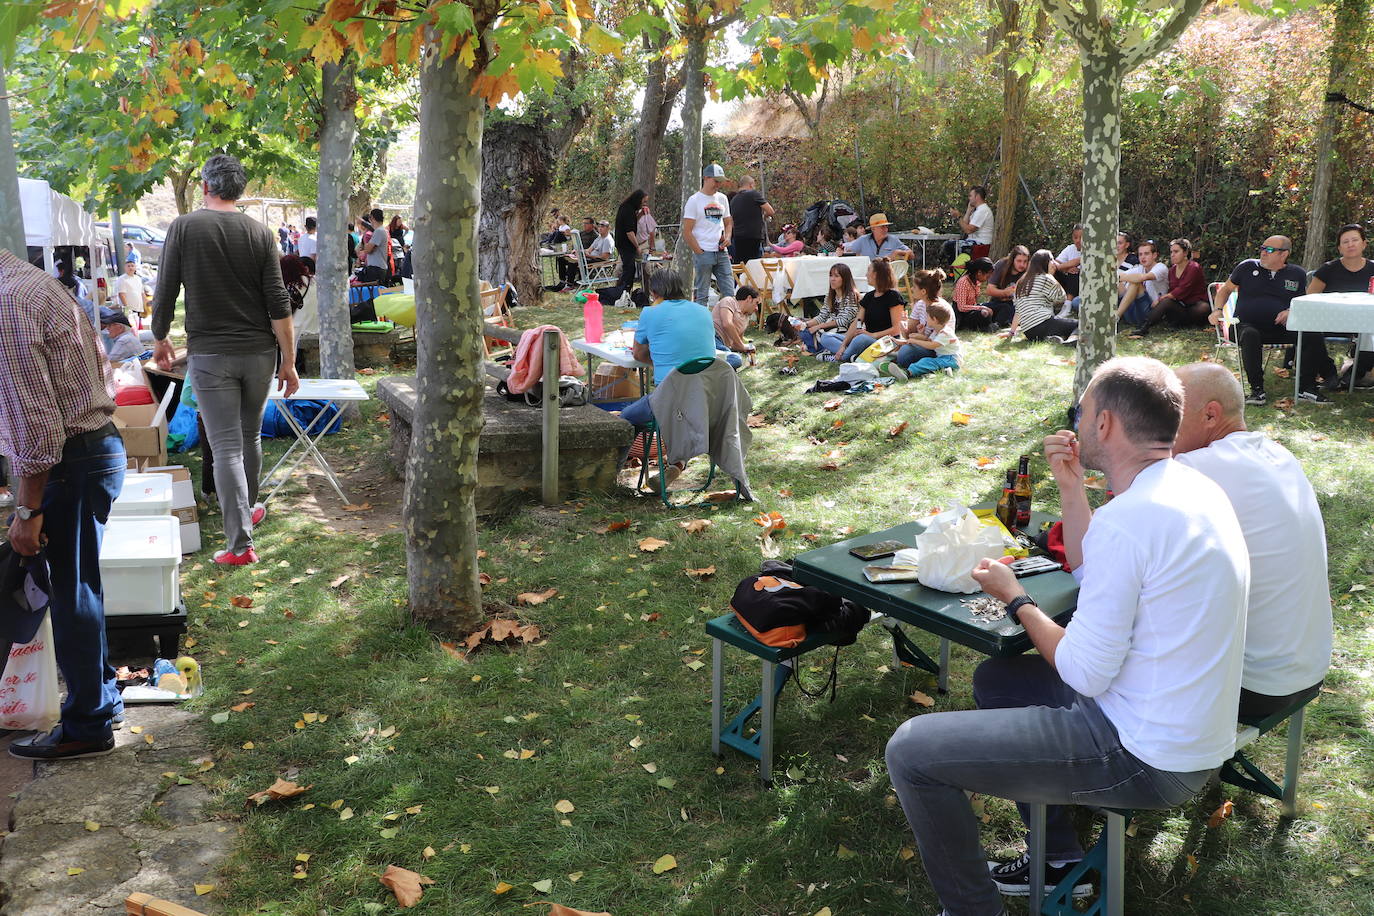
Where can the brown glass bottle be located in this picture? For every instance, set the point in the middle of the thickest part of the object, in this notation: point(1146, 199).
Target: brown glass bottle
point(1006, 505)
point(1023, 494)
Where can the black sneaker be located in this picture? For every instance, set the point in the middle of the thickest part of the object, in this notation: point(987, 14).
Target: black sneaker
point(1257, 398)
point(55, 746)
point(1313, 397)
point(1013, 878)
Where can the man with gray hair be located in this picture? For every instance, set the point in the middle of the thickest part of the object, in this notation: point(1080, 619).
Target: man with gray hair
point(238, 326)
point(1133, 703)
point(1288, 623)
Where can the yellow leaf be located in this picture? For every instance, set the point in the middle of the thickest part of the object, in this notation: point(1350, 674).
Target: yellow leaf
point(960, 419)
point(501, 887)
point(329, 47)
point(544, 886)
point(906, 854)
point(574, 20)
point(92, 826)
point(387, 54)
point(354, 32)
point(922, 699)
point(575, 877)
point(664, 863)
point(248, 745)
point(302, 857)
point(164, 117)
point(415, 809)
point(346, 814)
point(203, 889)
point(428, 852)
point(136, 729)
point(863, 41)
point(351, 759)
point(599, 41)
point(844, 852)
point(73, 872)
point(215, 108)
point(563, 806)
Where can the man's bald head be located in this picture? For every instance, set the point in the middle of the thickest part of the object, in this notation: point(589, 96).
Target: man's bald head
point(746, 181)
point(1213, 406)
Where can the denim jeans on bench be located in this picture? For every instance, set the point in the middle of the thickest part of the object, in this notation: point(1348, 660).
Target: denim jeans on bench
point(1041, 742)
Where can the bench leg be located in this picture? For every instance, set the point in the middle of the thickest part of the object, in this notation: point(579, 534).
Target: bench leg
point(769, 704)
point(1114, 879)
point(717, 697)
point(1289, 806)
point(942, 681)
point(1037, 856)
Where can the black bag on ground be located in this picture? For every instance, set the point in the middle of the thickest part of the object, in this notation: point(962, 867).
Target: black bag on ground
point(778, 611)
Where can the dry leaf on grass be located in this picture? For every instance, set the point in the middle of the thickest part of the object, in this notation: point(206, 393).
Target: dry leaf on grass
point(613, 526)
point(241, 601)
point(340, 581)
point(533, 598)
point(922, 699)
point(649, 545)
point(695, 525)
point(499, 630)
point(1283, 404)
point(722, 496)
point(960, 419)
point(408, 886)
point(558, 909)
point(240, 707)
point(1221, 814)
point(837, 424)
point(757, 421)
point(704, 573)
point(772, 523)
point(897, 430)
point(352, 508)
point(452, 649)
point(811, 538)
point(282, 788)
point(664, 863)
point(832, 404)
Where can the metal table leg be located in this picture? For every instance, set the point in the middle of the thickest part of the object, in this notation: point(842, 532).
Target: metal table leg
point(1297, 369)
point(305, 447)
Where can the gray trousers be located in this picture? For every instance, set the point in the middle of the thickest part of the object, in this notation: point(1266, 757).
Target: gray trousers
point(231, 390)
point(1057, 748)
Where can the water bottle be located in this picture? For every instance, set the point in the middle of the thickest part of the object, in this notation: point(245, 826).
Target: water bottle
point(591, 318)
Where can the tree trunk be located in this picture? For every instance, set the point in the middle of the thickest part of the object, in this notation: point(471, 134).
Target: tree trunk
point(694, 100)
point(117, 241)
point(11, 214)
point(1015, 92)
point(519, 160)
point(1102, 76)
point(181, 188)
point(359, 203)
point(1347, 38)
point(441, 474)
point(660, 94)
point(338, 132)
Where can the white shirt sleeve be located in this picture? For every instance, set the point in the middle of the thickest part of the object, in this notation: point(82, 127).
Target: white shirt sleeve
point(1098, 638)
point(694, 209)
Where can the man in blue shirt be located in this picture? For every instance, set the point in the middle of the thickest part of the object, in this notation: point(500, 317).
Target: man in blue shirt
point(878, 244)
point(671, 331)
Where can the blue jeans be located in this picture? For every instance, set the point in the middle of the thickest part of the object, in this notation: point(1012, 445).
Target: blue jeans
point(1033, 739)
point(1135, 313)
point(860, 343)
point(928, 364)
point(815, 341)
point(639, 413)
point(910, 353)
point(730, 356)
point(76, 504)
point(708, 264)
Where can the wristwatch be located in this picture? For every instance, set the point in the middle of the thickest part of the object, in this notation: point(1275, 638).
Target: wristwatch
point(25, 513)
point(1014, 606)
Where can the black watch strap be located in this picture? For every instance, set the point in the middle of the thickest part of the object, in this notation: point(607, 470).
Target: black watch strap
point(1014, 606)
point(25, 513)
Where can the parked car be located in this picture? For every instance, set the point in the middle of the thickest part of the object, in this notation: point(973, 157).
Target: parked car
point(147, 241)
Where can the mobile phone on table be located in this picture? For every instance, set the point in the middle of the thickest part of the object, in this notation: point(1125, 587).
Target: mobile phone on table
point(1033, 566)
point(877, 551)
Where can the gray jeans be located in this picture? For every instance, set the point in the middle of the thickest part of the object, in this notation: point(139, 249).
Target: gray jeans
point(708, 264)
point(1057, 748)
point(231, 390)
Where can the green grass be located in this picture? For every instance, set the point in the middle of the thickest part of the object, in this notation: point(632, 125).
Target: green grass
point(608, 691)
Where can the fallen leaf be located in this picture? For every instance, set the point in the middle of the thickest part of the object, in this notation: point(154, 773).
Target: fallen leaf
point(483, 579)
point(1222, 813)
point(575, 877)
point(428, 853)
point(1192, 864)
point(650, 767)
point(960, 419)
point(563, 806)
point(1283, 373)
point(897, 430)
point(695, 525)
point(501, 887)
point(405, 884)
point(984, 462)
point(837, 424)
point(349, 507)
point(703, 573)
point(220, 718)
point(832, 404)
point(664, 863)
point(533, 598)
point(241, 707)
point(340, 581)
point(757, 421)
point(452, 649)
point(823, 911)
point(241, 601)
point(810, 538)
point(922, 699)
point(649, 545)
point(722, 496)
point(667, 782)
point(844, 852)
point(73, 872)
point(282, 788)
point(351, 759)
point(248, 745)
point(389, 833)
point(906, 853)
point(1284, 404)
point(92, 826)
point(559, 909)
point(203, 889)
point(544, 886)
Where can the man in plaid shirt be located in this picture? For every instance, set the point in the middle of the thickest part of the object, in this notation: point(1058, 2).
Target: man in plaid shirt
point(56, 400)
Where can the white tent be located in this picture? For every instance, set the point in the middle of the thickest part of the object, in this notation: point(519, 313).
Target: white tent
point(53, 219)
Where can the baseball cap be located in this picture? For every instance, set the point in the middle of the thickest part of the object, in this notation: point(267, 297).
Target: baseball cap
point(113, 316)
point(131, 257)
point(24, 590)
point(713, 171)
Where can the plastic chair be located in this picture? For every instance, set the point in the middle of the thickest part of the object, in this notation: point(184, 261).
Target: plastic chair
point(771, 268)
point(1226, 335)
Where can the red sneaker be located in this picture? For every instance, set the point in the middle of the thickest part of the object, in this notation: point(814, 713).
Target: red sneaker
point(229, 558)
point(259, 513)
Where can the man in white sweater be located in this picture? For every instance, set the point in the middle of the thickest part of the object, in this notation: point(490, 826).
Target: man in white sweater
point(1288, 624)
point(1133, 704)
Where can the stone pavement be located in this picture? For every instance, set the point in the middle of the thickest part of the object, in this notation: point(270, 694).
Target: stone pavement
point(154, 836)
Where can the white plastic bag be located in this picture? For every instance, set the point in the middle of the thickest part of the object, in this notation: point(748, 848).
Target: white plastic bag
point(952, 544)
point(858, 372)
point(28, 688)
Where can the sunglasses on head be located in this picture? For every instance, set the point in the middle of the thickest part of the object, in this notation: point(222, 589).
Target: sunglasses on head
point(1270, 249)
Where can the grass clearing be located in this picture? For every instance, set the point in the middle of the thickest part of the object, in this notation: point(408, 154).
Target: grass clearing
point(616, 712)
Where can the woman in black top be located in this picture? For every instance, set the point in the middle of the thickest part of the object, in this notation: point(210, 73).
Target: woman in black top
point(625, 232)
point(1002, 284)
point(1352, 272)
point(881, 312)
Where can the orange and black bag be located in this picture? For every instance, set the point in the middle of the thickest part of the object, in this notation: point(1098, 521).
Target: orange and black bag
point(780, 612)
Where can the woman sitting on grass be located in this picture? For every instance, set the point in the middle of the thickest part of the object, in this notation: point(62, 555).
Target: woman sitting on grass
point(946, 352)
point(881, 309)
point(824, 334)
point(1038, 295)
point(973, 315)
point(916, 343)
point(1001, 289)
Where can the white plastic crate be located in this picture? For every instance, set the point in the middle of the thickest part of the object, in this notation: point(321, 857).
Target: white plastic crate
point(144, 496)
point(140, 562)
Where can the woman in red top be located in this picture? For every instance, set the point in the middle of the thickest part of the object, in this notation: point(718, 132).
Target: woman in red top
point(1186, 301)
point(973, 316)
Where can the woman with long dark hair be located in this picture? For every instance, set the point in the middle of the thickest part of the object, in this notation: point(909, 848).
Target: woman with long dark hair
point(625, 231)
point(882, 309)
point(1001, 289)
point(1038, 297)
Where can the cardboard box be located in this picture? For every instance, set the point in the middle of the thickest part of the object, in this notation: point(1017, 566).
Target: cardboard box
point(144, 429)
point(183, 504)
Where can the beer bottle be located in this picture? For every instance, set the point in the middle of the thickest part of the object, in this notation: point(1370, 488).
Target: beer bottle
point(1006, 506)
point(1023, 494)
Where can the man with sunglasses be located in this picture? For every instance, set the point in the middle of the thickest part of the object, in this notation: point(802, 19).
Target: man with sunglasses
point(1264, 287)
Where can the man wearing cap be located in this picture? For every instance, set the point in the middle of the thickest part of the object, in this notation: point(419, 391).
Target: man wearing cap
point(130, 293)
point(123, 343)
point(602, 247)
point(878, 243)
point(707, 227)
point(56, 400)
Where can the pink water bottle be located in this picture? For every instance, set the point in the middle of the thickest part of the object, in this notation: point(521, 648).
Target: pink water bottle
point(591, 318)
point(1371, 286)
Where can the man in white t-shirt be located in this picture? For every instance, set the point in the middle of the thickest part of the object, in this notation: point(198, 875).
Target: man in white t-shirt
point(602, 247)
point(1288, 624)
point(1142, 285)
point(309, 245)
point(1068, 266)
point(977, 221)
point(130, 294)
point(1133, 703)
point(706, 227)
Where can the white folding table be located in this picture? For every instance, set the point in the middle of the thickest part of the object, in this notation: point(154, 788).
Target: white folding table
point(614, 348)
point(809, 275)
point(908, 238)
point(335, 393)
point(1331, 313)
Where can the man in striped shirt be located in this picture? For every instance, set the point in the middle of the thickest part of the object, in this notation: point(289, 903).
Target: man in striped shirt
point(56, 400)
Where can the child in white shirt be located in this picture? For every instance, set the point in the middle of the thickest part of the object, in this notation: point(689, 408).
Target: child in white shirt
point(939, 337)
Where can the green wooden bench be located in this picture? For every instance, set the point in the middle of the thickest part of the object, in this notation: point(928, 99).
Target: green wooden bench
point(727, 629)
